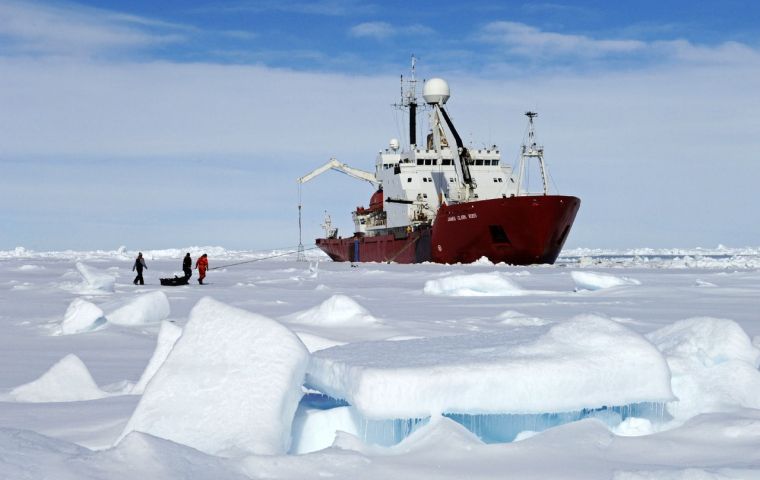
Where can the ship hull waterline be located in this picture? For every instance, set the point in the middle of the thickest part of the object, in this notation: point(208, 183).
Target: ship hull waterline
point(522, 230)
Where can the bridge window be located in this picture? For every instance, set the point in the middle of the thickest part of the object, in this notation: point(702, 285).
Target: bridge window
point(409, 180)
point(428, 161)
point(478, 162)
point(420, 161)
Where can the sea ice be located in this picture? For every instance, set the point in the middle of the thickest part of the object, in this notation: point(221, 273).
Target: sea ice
point(167, 337)
point(338, 310)
point(82, 316)
point(476, 285)
point(147, 308)
point(95, 280)
point(598, 281)
point(586, 362)
point(66, 381)
point(229, 387)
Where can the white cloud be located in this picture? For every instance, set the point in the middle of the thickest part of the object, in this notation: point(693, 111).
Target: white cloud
point(377, 30)
point(31, 28)
point(523, 39)
point(383, 30)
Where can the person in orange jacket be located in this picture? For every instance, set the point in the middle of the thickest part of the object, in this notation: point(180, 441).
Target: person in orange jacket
point(202, 265)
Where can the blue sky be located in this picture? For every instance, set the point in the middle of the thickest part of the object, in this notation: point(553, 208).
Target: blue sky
point(159, 124)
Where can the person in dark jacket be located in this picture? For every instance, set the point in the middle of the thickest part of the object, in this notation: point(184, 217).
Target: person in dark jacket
point(139, 265)
point(202, 265)
point(187, 266)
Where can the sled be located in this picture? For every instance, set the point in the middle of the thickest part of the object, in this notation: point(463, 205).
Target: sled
point(173, 282)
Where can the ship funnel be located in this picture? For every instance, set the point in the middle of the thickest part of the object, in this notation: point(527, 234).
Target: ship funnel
point(436, 91)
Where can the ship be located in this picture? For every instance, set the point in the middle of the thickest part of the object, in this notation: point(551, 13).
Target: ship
point(444, 202)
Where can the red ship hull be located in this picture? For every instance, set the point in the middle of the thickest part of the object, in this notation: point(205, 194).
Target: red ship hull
point(516, 230)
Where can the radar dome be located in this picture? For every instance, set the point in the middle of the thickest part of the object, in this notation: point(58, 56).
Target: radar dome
point(436, 90)
point(394, 144)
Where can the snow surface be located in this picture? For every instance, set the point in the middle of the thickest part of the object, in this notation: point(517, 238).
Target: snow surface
point(233, 377)
point(698, 307)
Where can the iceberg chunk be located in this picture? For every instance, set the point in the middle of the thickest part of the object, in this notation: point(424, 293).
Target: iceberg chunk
point(167, 337)
point(82, 316)
point(229, 387)
point(148, 308)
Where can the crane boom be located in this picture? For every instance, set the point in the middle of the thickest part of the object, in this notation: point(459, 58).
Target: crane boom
point(334, 164)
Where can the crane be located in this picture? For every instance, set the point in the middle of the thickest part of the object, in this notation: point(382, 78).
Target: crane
point(334, 164)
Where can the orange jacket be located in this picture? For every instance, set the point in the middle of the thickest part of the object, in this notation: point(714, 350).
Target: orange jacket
point(202, 264)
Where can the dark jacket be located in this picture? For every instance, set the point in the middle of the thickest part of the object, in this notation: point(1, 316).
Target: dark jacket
point(139, 264)
point(187, 263)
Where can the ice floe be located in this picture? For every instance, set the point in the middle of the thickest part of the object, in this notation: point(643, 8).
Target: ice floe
point(68, 380)
point(583, 363)
point(229, 387)
point(144, 309)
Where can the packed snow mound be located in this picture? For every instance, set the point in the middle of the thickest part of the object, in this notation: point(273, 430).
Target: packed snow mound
point(151, 307)
point(229, 387)
point(586, 362)
point(336, 311)
point(517, 319)
point(66, 381)
point(714, 366)
point(708, 340)
point(167, 337)
point(30, 268)
point(599, 281)
point(440, 432)
point(477, 285)
point(96, 280)
point(82, 316)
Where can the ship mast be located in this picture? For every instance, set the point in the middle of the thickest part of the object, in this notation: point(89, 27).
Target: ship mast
point(529, 151)
point(409, 100)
